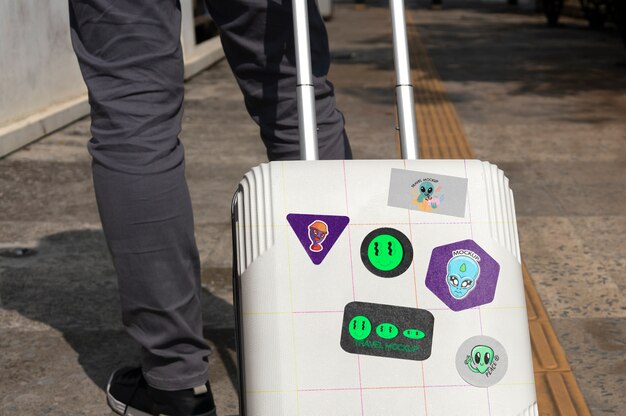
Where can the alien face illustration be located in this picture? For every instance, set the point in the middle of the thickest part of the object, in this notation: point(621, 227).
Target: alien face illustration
point(480, 359)
point(426, 191)
point(463, 273)
point(318, 230)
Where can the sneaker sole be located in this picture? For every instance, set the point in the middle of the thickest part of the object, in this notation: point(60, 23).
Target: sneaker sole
point(121, 409)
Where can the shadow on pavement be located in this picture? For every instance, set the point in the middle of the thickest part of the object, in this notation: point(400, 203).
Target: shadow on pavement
point(70, 285)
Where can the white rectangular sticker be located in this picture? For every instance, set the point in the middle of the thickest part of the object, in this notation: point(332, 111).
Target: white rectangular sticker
point(427, 192)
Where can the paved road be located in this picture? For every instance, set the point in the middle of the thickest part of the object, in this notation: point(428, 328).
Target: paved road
point(546, 105)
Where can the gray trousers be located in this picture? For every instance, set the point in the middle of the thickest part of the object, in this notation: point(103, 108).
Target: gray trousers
point(130, 56)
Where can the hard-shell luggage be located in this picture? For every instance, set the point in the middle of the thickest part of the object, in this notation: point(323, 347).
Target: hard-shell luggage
point(386, 288)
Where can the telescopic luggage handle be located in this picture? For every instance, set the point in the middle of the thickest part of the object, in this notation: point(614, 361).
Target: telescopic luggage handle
point(306, 90)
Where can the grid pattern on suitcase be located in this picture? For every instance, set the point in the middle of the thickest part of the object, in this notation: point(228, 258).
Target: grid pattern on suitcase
point(293, 323)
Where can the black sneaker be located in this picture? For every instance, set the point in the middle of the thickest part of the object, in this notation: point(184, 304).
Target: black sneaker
point(129, 394)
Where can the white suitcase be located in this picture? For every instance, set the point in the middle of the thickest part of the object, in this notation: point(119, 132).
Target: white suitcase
point(384, 288)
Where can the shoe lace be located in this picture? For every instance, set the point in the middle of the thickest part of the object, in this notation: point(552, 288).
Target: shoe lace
point(132, 375)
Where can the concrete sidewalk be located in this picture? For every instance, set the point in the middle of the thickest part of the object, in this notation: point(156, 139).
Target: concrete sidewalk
point(546, 105)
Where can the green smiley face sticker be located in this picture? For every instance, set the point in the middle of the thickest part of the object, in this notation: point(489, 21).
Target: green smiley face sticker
point(386, 252)
point(413, 334)
point(387, 331)
point(360, 327)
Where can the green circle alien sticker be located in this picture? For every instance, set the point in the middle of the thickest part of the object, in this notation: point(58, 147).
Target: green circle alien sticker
point(386, 252)
point(360, 327)
point(482, 361)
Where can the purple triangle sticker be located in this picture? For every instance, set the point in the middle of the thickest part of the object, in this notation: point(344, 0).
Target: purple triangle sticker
point(317, 233)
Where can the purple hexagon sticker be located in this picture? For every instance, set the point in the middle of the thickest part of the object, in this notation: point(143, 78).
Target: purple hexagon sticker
point(462, 275)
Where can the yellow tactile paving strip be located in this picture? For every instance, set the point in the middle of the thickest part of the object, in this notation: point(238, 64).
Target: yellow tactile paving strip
point(442, 137)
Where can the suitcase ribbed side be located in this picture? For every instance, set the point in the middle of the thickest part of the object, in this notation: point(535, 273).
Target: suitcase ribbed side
point(253, 204)
point(501, 211)
point(533, 410)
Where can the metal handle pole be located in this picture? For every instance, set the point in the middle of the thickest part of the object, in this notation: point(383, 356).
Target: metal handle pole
point(307, 125)
point(404, 88)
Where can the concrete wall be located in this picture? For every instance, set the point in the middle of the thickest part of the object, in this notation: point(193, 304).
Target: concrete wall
point(41, 88)
point(38, 66)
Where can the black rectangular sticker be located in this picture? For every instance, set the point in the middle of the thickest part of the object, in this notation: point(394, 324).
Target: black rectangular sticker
point(387, 331)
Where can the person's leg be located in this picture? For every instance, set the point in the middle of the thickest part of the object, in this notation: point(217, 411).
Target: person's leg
point(131, 60)
point(258, 40)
